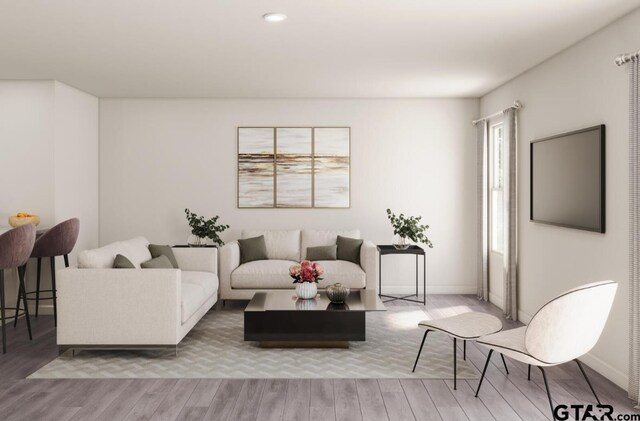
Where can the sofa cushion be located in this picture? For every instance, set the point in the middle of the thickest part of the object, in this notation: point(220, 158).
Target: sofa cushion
point(121, 262)
point(314, 238)
point(269, 274)
point(274, 274)
point(207, 280)
point(193, 296)
point(159, 250)
point(253, 249)
point(137, 250)
point(322, 253)
point(160, 262)
point(102, 257)
point(281, 244)
point(349, 249)
point(347, 273)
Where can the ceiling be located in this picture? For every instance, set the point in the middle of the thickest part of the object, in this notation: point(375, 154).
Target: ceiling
point(326, 48)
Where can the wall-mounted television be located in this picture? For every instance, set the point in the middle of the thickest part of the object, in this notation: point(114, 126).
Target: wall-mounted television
point(568, 179)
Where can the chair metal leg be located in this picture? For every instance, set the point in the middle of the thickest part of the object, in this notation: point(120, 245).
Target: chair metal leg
point(53, 289)
point(455, 351)
point(546, 385)
point(464, 350)
point(4, 329)
point(529, 373)
point(66, 260)
point(15, 317)
point(584, 373)
point(484, 371)
point(505, 364)
point(38, 284)
point(23, 292)
point(420, 351)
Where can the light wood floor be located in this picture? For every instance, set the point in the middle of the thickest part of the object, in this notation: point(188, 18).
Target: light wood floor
point(503, 397)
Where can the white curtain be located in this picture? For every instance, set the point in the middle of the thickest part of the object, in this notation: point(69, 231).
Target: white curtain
point(483, 211)
point(634, 230)
point(510, 303)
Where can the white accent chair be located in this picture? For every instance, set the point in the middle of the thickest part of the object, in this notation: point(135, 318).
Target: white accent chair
point(564, 329)
point(467, 327)
point(285, 247)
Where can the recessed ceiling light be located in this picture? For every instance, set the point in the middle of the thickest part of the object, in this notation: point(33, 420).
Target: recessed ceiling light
point(274, 17)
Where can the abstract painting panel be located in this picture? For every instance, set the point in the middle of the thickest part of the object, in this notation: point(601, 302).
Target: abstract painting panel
point(332, 167)
point(293, 167)
point(256, 167)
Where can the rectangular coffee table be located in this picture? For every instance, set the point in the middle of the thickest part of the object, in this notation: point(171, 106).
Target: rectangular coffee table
point(278, 319)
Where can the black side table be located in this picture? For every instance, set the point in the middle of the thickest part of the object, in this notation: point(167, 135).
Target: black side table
point(418, 251)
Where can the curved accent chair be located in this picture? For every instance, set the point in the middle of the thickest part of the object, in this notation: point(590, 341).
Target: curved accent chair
point(57, 241)
point(15, 248)
point(564, 329)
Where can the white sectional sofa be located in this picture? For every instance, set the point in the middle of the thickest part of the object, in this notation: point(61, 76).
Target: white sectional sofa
point(241, 281)
point(103, 307)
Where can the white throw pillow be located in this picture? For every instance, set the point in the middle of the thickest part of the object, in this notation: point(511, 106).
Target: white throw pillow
point(136, 250)
point(281, 245)
point(315, 238)
point(100, 258)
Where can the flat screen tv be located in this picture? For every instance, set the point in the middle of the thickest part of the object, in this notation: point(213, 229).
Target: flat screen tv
point(568, 179)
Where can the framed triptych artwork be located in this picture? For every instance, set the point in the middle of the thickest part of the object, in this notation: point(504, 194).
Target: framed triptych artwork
point(294, 167)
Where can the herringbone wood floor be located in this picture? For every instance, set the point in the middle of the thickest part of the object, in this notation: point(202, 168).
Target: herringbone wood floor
point(503, 397)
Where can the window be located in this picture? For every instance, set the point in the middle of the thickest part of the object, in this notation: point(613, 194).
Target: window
point(496, 161)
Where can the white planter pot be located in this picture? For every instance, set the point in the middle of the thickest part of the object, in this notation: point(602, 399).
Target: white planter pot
point(307, 290)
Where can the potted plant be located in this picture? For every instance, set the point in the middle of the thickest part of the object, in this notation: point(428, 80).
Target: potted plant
point(202, 229)
point(408, 228)
point(306, 276)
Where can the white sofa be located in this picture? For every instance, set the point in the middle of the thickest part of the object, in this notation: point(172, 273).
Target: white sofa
point(241, 281)
point(103, 307)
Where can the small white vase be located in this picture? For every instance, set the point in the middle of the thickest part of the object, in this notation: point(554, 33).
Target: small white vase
point(307, 290)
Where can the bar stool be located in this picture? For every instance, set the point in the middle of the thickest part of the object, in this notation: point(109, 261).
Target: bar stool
point(57, 241)
point(15, 247)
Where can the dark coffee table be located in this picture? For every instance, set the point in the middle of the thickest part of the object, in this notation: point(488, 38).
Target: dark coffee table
point(278, 319)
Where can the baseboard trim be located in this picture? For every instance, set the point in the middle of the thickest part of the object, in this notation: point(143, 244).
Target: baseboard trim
point(431, 289)
point(495, 300)
point(596, 363)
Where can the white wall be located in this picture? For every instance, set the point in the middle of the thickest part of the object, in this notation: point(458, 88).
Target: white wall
point(416, 156)
point(578, 88)
point(26, 167)
point(76, 161)
point(49, 160)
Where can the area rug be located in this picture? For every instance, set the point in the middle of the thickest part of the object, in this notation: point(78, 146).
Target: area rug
point(215, 349)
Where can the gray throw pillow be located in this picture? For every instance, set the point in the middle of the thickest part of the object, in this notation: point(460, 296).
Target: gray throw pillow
point(349, 249)
point(121, 262)
point(160, 262)
point(322, 253)
point(253, 249)
point(157, 251)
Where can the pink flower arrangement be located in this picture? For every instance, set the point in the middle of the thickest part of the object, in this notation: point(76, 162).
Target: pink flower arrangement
point(306, 271)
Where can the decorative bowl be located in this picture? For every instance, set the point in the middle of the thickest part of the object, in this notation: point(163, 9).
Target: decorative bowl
point(337, 293)
point(16, 221)
point(401, 246)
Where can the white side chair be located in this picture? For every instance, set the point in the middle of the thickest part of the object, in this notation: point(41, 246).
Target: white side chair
point(564, 329)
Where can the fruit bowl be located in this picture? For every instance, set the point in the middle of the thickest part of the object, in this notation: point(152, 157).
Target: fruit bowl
point(22, 218)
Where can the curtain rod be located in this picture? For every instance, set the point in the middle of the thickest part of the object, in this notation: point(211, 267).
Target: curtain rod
point(516, 105)
point(625, 58)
